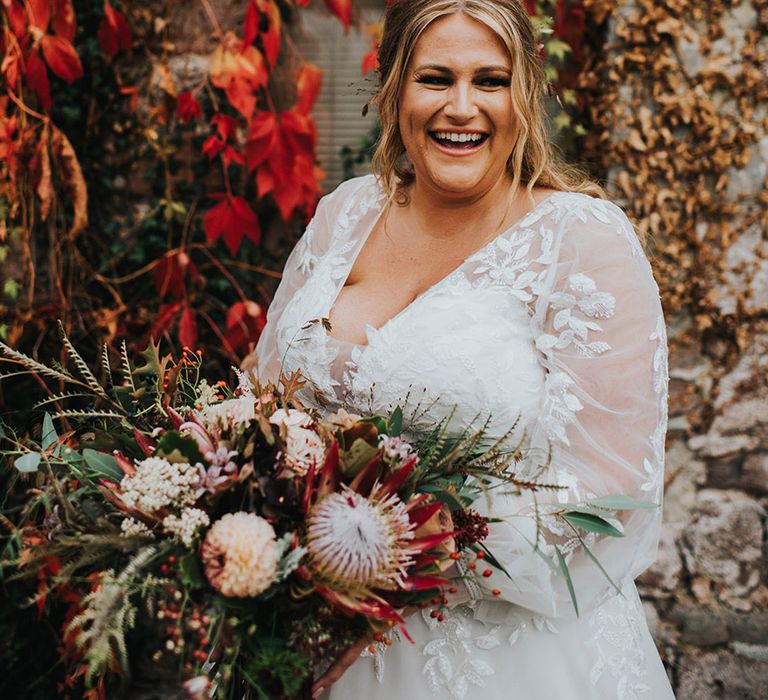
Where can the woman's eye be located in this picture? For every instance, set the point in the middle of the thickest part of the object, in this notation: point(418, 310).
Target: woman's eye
point(494, 82)
point(433, 80)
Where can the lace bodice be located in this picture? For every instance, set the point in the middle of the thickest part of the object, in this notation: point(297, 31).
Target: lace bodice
point(556, 322)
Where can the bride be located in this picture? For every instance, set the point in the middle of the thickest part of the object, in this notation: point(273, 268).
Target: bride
point(473, 271)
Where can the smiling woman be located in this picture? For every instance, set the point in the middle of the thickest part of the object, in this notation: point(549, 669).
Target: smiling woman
point(476, 272)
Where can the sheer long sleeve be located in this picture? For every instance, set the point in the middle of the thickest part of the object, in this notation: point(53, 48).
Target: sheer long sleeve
point(598, 326)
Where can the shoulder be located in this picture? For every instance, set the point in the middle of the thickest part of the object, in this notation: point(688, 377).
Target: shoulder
point(356, 191)
point(590, 221)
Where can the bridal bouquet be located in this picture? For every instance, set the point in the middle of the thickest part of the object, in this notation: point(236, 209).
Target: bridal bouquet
point(229, 533)
point(233, 537)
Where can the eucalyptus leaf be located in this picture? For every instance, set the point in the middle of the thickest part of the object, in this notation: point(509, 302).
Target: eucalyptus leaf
point(620, 502)
point(49, 436)
point(103, 465)
point(28, 463)
point(592, 523)
point(568, 580)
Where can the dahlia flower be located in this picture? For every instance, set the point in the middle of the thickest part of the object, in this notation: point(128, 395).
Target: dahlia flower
point(240, 555)
point(357, 542)
point(303, 446)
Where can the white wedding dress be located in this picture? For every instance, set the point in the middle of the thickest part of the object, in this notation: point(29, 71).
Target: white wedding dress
point(557, 322)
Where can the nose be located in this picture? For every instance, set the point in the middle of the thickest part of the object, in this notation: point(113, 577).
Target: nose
point(460, 104)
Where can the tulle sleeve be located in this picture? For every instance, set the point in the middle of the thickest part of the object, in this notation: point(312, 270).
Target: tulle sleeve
point(598, 326)
point(311, 246)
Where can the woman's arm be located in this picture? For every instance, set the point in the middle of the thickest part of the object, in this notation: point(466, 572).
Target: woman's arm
point(599, 328)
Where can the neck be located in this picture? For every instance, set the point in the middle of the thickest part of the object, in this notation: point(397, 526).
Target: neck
point(445, 216)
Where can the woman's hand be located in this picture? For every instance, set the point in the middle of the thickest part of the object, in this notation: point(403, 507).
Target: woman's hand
point(338, 667)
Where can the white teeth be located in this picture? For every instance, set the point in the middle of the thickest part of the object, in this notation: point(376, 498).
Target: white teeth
point(457, 138)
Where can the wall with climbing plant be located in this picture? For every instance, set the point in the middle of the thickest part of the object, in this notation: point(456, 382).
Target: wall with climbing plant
point(678, 104)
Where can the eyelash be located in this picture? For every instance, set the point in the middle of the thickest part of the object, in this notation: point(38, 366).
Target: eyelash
point(490, 82)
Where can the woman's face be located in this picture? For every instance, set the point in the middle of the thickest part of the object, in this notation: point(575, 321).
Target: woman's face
point(455, 113)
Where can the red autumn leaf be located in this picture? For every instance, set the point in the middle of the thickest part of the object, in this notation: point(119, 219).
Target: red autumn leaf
point(241, 96)
point(39, 13)
point(188, 328)
point(245, 322)
point(61, 57)
point(231, 219)
point(308, 86)
point(251, 24)
point(229, 155)
point(171, 274)
point(212, 146)
point(17, 17)
point(37, 79)
point(261, 139)
point(370, 61)
point(234, 59)
point(64, 19)
point(225, 125)
point(114, 32)
point(133, 91)
point(165, 318)
point(342, 9)
point(187, 107)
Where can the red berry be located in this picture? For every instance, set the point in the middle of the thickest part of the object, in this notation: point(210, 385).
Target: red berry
point(434, 614)
point(496, 592)
point(440, 617)
point(471, 566)
point(452, 589)
point(487, 572)
point(481, 555)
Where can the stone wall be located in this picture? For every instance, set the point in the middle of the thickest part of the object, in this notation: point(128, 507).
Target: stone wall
point(680, 105)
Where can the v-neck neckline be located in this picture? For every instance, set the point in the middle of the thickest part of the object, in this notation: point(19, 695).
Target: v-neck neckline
point(369, 328)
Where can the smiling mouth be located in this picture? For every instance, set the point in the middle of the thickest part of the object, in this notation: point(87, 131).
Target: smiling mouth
point(458, 141)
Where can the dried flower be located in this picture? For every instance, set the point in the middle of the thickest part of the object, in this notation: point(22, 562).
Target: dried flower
point(186, 526)
point(470, 528)
point(240, 555)
point(197, 688)
point(343, 419)
point(440, 522)
point(303, 446)
point(355, 542)
point(134, 528)
point(158, 483)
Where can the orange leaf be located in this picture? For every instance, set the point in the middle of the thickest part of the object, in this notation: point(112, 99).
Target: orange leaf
point(72, 178)
point(61, 57)
point(270, 39)
point(231, 219)
point(64, 19)
point(251, 24)
point(241, 96)
point(370, 61)
point(308, 87)
point(17, 17)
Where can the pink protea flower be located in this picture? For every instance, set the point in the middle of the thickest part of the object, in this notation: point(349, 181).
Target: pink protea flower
point(240, 555)
point(356, 542)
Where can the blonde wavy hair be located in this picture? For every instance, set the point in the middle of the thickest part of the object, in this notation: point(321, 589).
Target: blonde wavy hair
point(532, 161)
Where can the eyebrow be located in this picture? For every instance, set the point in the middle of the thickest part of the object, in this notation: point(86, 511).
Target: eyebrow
point(444, 69)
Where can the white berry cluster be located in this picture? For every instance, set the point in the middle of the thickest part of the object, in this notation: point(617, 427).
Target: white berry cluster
point(134, 528)
point(157, 484)
point(186, 526)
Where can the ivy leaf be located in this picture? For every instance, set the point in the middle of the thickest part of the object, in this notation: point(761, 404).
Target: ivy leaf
point(245, 321)
point(308, 86)
point(114, 33)
point(27, 463)
point(188, 328)
point(232, 219)
point(342, 9)
point(61, 57)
